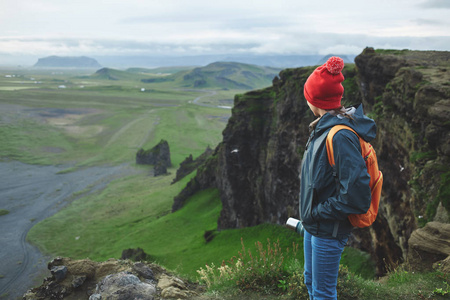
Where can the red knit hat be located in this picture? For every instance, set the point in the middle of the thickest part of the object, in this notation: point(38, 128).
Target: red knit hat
point(323, 88)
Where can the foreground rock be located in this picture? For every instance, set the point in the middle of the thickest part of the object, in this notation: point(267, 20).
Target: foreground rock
point(112, 279)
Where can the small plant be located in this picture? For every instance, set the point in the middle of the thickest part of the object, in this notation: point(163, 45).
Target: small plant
point(443, 291)
point(347, 285)
point(283, 285)
point(297, 287)
point(264, 271)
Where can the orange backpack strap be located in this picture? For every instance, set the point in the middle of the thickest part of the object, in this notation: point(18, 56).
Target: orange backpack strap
point(330, 153)
point(329, 141)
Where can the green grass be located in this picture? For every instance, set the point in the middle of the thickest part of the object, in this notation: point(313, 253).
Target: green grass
point(105, 221)
point(113, 130)
point(4, 212)
point(271, 273)
point(30, 141)
point(401, 284)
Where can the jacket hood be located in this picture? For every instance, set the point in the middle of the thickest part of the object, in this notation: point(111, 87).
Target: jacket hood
point(364, 126)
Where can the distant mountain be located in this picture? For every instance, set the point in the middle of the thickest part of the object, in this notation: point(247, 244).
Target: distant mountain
point(229, 75)
point(67, 62)
point(225, 75)
point(113, 74)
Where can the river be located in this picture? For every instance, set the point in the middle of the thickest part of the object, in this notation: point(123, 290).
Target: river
point(31, 194)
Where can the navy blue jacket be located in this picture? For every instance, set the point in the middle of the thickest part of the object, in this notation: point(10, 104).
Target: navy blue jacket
point(323, 211)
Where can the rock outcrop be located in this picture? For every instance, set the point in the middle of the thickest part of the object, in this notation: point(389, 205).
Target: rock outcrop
point(159, 156)
point(190, 164)
point(134, 254)
point(256, 166)
point(112, 279)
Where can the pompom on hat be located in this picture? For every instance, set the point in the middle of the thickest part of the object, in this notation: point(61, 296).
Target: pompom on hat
point(323, 88)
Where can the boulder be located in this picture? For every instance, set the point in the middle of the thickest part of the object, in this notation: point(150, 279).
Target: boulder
point(124, 286)
point(134, 254)
point(112, 279)
point(443, 265)
point(429, 245)
point(59, 272)
point(143, 271)
point(173, 288)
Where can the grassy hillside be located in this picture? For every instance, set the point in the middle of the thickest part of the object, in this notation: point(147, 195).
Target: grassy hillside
point(230, 75)
point(219, 75)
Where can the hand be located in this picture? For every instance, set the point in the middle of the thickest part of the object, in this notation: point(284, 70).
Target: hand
point(299, 229)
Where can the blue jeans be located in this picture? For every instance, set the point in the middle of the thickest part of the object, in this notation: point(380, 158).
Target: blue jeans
point(322, 257)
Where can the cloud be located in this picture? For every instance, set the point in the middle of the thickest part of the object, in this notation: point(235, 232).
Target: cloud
point(189, 21)
point(73, 47)
point(202, 27)
point(281, 44)
point(435, 4)
point(422, 21)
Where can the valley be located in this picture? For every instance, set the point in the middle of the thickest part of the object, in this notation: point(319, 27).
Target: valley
point(69, 139)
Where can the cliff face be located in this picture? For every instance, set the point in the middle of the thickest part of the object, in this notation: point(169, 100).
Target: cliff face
point(257, 164)
point(409, 96)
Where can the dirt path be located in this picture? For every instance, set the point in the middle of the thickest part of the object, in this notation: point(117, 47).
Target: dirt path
point(31, 195)
point(128, 126)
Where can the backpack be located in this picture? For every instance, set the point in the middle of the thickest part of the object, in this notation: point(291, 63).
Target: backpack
point(376, 177)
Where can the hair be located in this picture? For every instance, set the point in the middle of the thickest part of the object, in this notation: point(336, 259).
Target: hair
point(341, 110)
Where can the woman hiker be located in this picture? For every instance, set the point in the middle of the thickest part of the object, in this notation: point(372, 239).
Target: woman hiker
point(326, 199)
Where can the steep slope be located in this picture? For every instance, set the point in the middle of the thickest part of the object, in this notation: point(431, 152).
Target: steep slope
point(256, 166)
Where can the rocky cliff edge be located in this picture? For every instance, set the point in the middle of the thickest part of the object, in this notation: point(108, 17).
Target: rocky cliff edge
point(256, 166)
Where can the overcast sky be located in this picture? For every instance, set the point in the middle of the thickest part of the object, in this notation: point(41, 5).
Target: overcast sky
point(178, 27)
